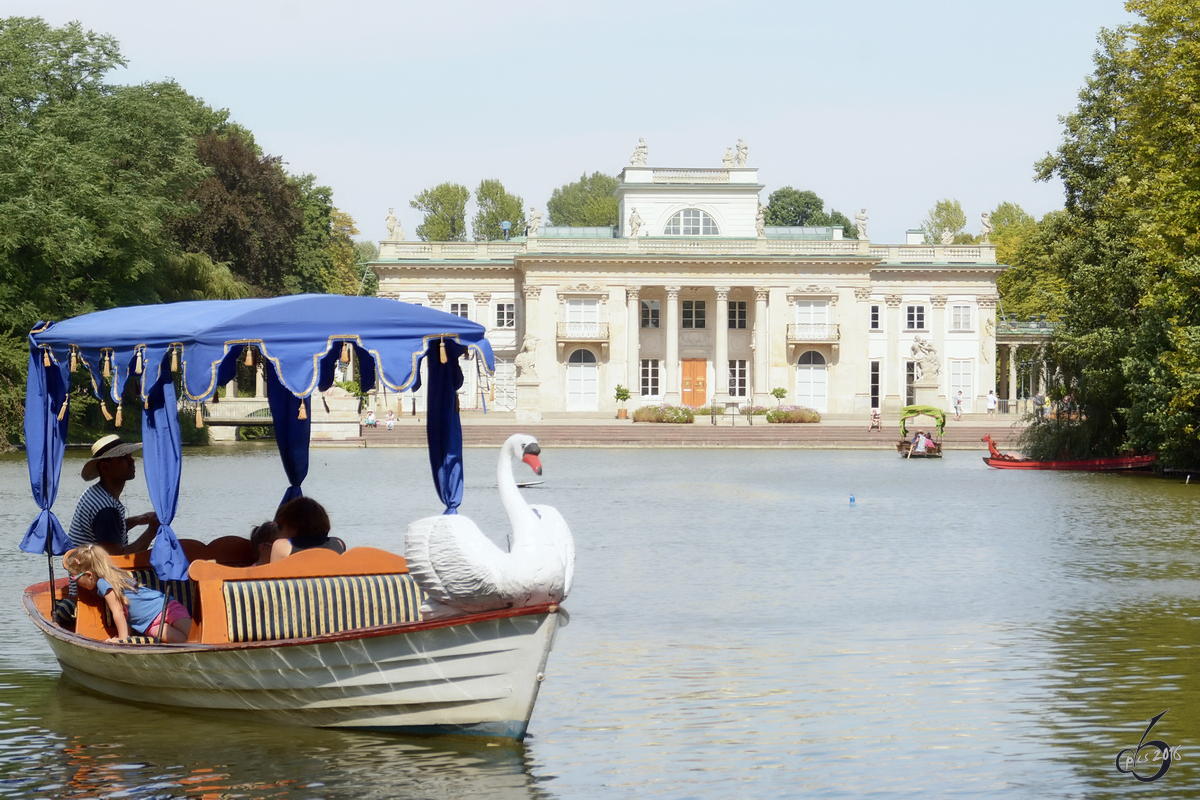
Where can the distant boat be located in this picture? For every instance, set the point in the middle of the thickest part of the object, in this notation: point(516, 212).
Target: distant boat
point(1017, 461)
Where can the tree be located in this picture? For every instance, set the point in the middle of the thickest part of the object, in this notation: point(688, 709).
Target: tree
point(445, 209)
point(368, 281)
point(788, 207)
point(194, 276)
point(248, 212)
point(1032, 284)
point(946, 217)
point(496, 206)
point(588, 202)
point(313, 270)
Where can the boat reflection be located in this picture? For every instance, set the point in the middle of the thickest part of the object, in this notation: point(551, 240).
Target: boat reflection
point(59, 740)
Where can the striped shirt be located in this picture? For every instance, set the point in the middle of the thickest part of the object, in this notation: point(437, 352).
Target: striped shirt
point(84, 531)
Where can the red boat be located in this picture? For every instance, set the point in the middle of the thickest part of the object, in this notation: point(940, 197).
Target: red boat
point(1017, 461)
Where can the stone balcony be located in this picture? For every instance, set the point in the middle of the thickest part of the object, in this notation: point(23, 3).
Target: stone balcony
point(467, 252)
point(582, 333)
point(806, 333)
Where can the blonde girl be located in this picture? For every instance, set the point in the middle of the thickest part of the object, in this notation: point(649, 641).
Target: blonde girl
point(92, 569)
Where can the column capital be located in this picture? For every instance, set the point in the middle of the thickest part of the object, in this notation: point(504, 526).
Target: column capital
point(988, 302)
point(862, 293)
point(892, 300)
point(761, 292)
point(938, 300)
point(483, 298)
point(722, 292)
point(533, 292)
point(673, 292)
point(632, 294)
point(436, 299)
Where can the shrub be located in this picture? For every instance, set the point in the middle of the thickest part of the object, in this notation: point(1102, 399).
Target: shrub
point(663, 413)
point(707, 411)
point(757, 411)
point(793, 414)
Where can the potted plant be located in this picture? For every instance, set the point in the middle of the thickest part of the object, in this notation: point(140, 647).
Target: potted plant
point(778, 393)
point(622, 394)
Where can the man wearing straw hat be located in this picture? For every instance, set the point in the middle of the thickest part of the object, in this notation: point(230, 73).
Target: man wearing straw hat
point(100, 517)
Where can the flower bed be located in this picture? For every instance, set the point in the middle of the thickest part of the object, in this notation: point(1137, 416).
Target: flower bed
point(663, 413)
point(793, 414)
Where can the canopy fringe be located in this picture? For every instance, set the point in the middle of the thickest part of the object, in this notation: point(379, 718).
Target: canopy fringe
point(118, 421)
point(174, 360)
point(442, 356)
point(303, 414)
point(62, 412)
point(104, 411)
point(199, 415)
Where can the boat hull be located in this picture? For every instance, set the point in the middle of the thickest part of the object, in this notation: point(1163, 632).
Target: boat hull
point(475, 675)
point(1082, 465)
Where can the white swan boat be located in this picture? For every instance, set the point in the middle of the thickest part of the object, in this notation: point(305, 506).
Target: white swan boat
point(316, 639)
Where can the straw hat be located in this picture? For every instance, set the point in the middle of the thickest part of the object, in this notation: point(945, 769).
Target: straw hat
point(109, 446)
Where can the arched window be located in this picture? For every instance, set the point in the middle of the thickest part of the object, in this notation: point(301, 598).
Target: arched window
point(691, 222)
point(582, 356)
point(811, 357)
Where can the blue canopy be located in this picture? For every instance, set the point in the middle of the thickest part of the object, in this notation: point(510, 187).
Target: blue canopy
point(299, 338)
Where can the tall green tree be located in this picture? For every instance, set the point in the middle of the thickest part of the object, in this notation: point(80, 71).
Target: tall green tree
point(313, 270)
point(788, 207)
point(586, 203)
point(1032, 284)
point(495, 206)
point(445, 210)
point(946, 220)
point(364, 254)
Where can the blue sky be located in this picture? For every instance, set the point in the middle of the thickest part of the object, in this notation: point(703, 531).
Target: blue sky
point(879, 104)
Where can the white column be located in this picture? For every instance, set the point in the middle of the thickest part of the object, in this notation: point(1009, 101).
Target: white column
point(762, 344)
point(260, 382)
point(1012, 379)
point(938, 331)
point(893, 399)
point(721, 356)
point(633, 356)
point(671, 368)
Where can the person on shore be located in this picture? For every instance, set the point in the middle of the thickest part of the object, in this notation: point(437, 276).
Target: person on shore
point(303, 525)
point(876, 421)
point(92, 569)
point(991, 406)
point(958, 407)
point(1039, 405)
point(100, 516)
point(371, 421)
point(391, 419)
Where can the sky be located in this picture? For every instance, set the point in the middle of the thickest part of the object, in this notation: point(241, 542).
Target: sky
point(878, 104)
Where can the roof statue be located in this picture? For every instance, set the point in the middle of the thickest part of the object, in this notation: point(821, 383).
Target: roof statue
point(742, 152)
point(729, 159)
point(760, 221)
point(394, 228)
point(535, 222)
point(860, 219)
point(635, 223)
point(985, 220)
point(638, 159)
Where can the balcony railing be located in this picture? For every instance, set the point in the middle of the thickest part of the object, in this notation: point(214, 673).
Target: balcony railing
point(583, 331)
point(810, 332)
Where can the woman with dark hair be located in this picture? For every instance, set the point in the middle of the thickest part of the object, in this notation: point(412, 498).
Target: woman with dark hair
point(303, 525)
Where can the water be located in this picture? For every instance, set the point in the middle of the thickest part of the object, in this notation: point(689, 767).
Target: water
point(738, 629)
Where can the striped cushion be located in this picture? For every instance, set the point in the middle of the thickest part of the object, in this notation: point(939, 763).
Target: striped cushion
point(293, 608)
point(139, 640)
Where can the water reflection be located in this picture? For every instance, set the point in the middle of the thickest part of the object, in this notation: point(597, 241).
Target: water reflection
point(59, 741)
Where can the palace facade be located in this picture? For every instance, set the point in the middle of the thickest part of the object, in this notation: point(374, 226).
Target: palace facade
point(693, 300)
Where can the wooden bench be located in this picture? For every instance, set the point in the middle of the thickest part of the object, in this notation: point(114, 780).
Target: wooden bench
point(310, 593)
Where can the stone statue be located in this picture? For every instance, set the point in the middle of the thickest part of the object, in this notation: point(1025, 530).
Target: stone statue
point(638, 159)
point(947, 236)
point(928, 363)
point(742, 151)
point(535, 222)
point(860, 219)
point(635, 223)
point(394, 229)
point(985, 220)
point(729, 159)
point(760, 222)
point(526, 360)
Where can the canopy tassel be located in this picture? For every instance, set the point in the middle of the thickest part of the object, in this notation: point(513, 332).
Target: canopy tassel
point(137, 367)
point(104, 411)
point(74, 359)
point(346, 353)
point(118, 422)
point(303, 414)
point(199, 415)
point(45, 358)
point(62, 412)
point(174, 360)
point(249, 357)
point(107, 361)
point(442, 357)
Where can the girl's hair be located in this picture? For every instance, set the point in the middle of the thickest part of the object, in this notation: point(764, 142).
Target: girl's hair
point(266, 533)
point(92, 558)
point(305, 516)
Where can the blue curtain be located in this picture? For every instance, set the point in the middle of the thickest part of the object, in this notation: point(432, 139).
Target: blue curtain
point(291, 433)
point(162, 459)
point(443, 427)
point(45, 442)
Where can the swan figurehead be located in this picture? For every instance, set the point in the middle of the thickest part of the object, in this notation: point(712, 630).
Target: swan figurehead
point(462, 571)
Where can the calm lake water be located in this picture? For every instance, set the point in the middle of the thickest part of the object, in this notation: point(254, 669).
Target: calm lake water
point(738, 629)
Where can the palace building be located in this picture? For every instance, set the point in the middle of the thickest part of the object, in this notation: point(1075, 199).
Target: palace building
point(692, 300)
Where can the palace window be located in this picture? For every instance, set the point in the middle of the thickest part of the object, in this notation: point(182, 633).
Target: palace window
point(916, 318)
point(960, 318)
point(649, 377)
point(691, 222)
point(649, 313)
point(693, 313)
point(874, 318)
point(738, 370)
point(460, 310)
point(737, 314)
point(506, 315)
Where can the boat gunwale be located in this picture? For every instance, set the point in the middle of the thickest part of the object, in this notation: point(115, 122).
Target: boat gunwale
point(1115, 464)
point(373, 632)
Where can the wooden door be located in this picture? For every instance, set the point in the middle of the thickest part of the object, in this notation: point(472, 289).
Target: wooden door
point(694, 382)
